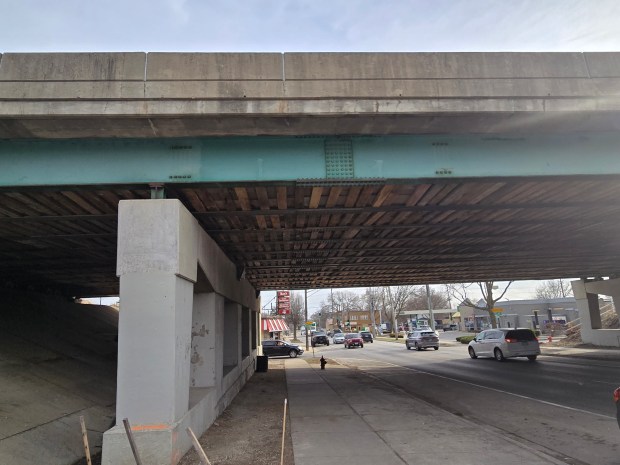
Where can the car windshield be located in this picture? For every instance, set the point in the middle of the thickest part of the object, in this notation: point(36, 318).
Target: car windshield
point(427, 333)
point(352, 335)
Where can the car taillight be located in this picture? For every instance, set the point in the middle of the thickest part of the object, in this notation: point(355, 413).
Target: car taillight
point(617, 395)
point(509, 340)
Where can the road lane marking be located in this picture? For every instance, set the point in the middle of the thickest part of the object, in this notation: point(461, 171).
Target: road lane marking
point(553, 404)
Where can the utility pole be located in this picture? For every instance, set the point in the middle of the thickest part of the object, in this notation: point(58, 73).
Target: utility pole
point(306, 314)
point(430, 307)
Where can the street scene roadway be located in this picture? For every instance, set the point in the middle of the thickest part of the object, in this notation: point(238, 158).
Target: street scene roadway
point(560, 405)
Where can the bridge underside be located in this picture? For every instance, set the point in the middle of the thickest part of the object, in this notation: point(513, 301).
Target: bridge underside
point(296, 235)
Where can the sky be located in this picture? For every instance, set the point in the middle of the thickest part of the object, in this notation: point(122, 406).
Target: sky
point(309, 25)
point(312, 26)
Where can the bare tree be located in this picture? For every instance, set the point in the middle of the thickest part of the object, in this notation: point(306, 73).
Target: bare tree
point(339, 304)
point(554, 289)
point(296, 317)
point(486, 288)
point(372, 301)
point(395, 301)
point(419, 300)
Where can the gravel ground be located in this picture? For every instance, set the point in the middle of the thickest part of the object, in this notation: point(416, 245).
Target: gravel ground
point(250, 429)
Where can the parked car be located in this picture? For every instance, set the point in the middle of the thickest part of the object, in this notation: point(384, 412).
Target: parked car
point(319, 338)
point(353, 340)
point(280, 348)
point(503, 343)
point(452, 327)
point(338, 338)
point(367, 336)
point(422, 339)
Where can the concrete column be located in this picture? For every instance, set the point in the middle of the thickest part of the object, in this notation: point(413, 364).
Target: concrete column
point(154, 348)
point(157, 266)
point(586, 295)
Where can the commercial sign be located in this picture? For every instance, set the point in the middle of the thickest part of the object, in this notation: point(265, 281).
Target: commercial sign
point(283, 302)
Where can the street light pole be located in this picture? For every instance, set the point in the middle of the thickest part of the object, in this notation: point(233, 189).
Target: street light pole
point(430, 307)
point(306, 314)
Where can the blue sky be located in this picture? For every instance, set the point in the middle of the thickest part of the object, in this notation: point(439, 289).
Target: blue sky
point(309, 25)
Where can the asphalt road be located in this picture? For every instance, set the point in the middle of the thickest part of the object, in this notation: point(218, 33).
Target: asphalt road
point(558, 404)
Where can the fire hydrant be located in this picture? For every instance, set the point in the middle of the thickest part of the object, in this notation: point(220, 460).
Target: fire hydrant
point(323, 362)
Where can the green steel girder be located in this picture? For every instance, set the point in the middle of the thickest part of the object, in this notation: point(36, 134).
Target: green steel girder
point(288, 159)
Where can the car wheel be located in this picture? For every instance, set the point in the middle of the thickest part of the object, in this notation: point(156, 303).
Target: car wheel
point(313, 345)
point(532, 358)
point(408, 348)
point(362, 346)
point(472, 352)
point(292, 354)
point(328, 344)
point(499, 356)
point(372, 342)
point(436, 348)
point(417, 347)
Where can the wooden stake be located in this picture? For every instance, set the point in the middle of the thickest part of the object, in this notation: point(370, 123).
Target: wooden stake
point(132, 443)
point(283, 435)
point(85, 441)
point(201, 453)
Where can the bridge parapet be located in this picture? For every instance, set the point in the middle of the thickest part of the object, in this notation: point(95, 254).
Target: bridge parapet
point(202, 94)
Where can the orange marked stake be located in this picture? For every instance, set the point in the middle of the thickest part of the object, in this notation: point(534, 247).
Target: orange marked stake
point(85, 441)
point(201, 453)
point(132, 443)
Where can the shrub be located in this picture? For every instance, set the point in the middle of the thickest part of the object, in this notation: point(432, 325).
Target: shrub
point(465, 339)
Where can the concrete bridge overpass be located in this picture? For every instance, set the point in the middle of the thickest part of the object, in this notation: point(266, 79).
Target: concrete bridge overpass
point(242, 172)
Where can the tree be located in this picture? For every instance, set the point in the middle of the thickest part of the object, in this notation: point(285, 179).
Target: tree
point(372, 301)
point(419, 300)
point(486, 288)
point(554, 289)
point(395, 299)
point(296, 317)
point(339, 304)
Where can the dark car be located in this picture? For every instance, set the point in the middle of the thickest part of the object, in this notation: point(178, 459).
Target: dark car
point(451, 327)
point(319, 338)
point(281, 348)
point(353, 340)
point(367, 336)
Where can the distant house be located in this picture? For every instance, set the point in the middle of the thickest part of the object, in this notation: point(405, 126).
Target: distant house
point(355, 320)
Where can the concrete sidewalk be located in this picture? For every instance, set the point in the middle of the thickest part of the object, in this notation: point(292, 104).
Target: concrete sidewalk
point(343, 417)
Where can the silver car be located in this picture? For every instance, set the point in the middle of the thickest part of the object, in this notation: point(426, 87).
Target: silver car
point(503, 343)
point(338, 338)
point(422, 339)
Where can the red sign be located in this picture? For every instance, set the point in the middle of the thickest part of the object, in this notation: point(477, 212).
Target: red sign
point(283, 302)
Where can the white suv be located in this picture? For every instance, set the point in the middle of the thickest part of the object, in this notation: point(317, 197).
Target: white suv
point(503, 343)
